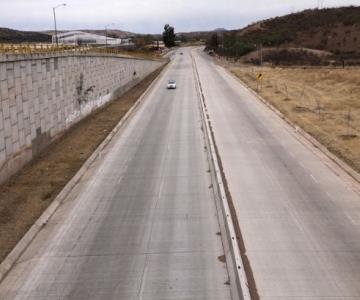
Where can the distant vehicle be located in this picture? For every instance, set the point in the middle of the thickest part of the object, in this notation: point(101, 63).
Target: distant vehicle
point(171, 84)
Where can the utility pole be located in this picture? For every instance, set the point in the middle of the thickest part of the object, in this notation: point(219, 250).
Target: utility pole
point(106, 34)
point(56, 35)
point(260, 53)
point(320, 4)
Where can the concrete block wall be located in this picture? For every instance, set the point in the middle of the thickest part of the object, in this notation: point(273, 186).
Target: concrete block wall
point(42, 95)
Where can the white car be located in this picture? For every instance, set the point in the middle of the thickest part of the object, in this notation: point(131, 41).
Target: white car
point(171, 84)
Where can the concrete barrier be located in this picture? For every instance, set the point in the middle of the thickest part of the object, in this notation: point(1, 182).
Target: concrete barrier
point(41, 95)
point(238, 279)
point(30, 235)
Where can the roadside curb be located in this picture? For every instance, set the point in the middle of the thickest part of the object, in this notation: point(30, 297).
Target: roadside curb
point(315, 143)
point(30, 235)
point(241, 282)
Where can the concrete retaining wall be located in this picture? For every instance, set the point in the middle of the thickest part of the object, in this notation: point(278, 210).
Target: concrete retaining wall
point(42, 95)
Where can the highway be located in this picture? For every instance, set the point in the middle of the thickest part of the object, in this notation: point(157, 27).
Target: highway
point(142, 222)
point(299, 214)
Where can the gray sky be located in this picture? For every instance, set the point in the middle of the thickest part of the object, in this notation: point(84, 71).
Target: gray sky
point(149, 16)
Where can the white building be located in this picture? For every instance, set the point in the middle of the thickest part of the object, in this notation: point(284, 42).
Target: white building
point(85, 38)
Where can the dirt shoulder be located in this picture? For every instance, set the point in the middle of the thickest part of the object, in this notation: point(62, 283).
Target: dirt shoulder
point(26, 195)
point(325, 102)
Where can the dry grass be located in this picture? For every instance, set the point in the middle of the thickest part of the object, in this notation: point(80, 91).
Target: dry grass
point(25, 196)
point(324, 102)
point(142, 54)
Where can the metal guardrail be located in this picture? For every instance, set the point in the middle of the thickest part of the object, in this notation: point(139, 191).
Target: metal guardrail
point(53, 48)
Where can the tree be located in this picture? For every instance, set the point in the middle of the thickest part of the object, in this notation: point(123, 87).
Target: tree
point(169, 36)
point(213, 42)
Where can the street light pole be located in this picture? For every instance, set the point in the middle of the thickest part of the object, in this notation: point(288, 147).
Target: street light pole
point(106, 34)
point(56, 35)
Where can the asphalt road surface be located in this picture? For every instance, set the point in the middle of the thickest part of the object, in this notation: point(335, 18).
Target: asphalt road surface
point(299, 215)
point(142, 223)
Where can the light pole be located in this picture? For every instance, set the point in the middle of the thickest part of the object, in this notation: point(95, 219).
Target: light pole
point(106, 27)
point(56, 36)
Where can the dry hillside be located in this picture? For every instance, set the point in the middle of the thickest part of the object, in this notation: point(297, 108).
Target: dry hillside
point(332, 29)
point(15, 36)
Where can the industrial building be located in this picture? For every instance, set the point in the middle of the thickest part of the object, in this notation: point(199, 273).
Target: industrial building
point(85, 38)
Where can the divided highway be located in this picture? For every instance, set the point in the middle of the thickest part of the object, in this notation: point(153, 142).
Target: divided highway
point(142, 222)
point(298, 213)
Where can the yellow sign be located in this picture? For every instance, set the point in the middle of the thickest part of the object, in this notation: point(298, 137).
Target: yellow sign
point(259, 76)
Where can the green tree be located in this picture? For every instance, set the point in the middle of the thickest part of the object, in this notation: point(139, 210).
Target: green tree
point(213, 42)
point(169, 36)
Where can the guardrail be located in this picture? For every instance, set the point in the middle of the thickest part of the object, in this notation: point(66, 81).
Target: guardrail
point(53, 48)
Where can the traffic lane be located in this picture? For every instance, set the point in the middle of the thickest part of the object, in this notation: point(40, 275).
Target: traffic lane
point(298, 218)
point(142, 222)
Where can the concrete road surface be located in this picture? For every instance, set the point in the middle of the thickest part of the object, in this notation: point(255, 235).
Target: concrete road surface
point(142, 223)
point(300, 217)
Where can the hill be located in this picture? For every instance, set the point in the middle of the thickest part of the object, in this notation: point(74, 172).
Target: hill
point(336, 30)
point(15, 36)
point(331, 29)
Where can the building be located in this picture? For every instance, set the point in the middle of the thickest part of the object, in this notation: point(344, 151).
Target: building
point(85, 38)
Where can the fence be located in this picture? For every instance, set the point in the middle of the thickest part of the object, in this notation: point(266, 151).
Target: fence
point(308, 99)
point(37, 48)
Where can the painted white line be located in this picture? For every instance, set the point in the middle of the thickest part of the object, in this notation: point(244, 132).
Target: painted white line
point(352, 220)
point(312, 176)
point(143, 280)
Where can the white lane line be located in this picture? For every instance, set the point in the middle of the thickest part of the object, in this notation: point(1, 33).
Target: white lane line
point(143, 280)
point(312, 176)
point(352, 220)
point(120, 179)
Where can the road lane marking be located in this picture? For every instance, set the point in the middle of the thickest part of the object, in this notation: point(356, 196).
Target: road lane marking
point(352, 220)
point(143, 280)
point(312, 176)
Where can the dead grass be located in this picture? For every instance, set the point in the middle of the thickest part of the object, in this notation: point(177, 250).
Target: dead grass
point(324, 102)
point(142, 54)
point(25, 196)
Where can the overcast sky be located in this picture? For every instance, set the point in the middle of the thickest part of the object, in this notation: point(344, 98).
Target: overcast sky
point(149, 16)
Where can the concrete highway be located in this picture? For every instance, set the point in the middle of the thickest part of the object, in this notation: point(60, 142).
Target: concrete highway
point(298, 213)
point(142, 222)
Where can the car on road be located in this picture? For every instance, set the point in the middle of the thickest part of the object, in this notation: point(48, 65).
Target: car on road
point(171, 84)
